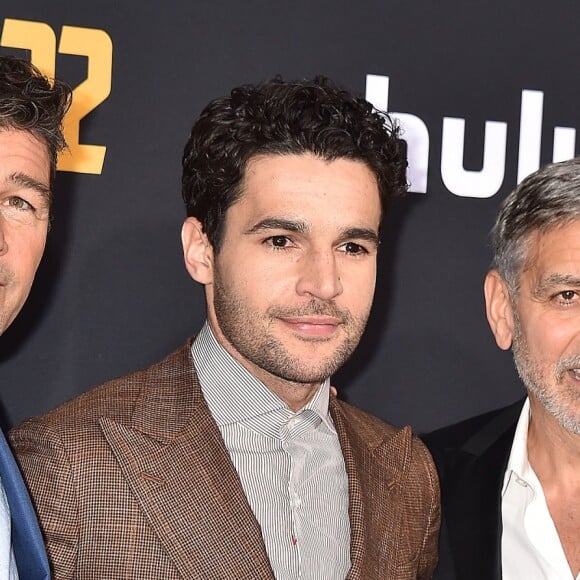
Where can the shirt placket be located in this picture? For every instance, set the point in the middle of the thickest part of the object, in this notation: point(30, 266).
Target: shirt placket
point(287, 433)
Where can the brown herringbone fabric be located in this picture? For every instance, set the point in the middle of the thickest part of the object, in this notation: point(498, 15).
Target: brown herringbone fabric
point(132, 481)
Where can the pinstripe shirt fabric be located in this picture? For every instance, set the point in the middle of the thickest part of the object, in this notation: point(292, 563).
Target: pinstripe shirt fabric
point(290, 465)
point(132, 481)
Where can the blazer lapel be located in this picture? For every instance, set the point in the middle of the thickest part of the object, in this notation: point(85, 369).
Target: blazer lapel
point(471, 499)
point(177, 467)
point(374, 469)
point(356, 504)
point(27, 541)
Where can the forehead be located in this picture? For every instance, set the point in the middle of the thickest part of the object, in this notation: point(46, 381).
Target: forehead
point(556, 250)
point(22, 152)
point(308, 185)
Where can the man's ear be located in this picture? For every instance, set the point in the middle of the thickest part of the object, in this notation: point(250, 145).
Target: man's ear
point(197, 251)
point(499, 309)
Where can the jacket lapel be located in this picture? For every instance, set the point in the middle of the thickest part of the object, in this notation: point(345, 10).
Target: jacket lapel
point(471, 498)
point(375, 468)
point(27, 541)
point(178, 469)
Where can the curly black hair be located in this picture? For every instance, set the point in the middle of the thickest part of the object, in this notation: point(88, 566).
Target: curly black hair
point(283, 117)
point(31, 102)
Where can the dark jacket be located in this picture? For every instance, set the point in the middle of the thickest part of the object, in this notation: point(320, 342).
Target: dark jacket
point(471, 458)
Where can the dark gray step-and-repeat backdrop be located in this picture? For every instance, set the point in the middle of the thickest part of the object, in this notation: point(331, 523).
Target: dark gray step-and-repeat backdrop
point(486, 92)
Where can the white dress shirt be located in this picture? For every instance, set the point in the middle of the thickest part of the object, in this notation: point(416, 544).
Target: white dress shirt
point(530, 545)
point(8, 570)
point(290, 465)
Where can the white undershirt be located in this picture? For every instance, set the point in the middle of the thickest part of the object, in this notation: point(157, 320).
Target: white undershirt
point(530, 545)
point(8, 570)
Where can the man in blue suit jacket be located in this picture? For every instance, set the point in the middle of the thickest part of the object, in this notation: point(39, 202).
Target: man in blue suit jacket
point(31, 115)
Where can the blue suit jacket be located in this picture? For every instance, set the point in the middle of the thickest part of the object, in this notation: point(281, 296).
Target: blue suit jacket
point(471, 459)
point(27, 541)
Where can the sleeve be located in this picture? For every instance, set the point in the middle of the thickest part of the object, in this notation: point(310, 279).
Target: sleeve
point(47, 471)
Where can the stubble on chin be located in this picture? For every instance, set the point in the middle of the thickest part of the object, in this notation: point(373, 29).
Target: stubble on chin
point(560, 400)
point(252, 335)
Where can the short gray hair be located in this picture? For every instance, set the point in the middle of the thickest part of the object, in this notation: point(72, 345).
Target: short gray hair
point(547, 198)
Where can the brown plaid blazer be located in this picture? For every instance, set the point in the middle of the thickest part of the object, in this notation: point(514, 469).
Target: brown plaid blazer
point(132, 480)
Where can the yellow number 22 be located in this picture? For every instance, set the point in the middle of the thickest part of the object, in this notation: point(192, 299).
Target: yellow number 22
point(40, 39)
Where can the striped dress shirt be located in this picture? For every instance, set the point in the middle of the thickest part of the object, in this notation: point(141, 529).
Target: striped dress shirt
point(290, 465)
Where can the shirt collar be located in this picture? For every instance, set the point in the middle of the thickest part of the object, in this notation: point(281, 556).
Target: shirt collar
point(518, 463)
point(234, 395)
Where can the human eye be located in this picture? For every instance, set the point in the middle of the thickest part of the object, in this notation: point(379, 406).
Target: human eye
point(25, 209)
point(18, 203)
point(353, 249)
point(278, 242)
point(566, 297)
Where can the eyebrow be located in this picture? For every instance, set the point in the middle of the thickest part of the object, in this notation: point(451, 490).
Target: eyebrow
point(278, 224)
point(362, 234)
point(300, 227)
point(554, 280)
point(26, 181)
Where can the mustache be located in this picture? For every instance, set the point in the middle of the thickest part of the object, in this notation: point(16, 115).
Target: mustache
point(312, 308)
point(566, 364)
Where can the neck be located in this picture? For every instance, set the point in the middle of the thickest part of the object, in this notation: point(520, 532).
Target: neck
point(295, 395)
point(553, 451)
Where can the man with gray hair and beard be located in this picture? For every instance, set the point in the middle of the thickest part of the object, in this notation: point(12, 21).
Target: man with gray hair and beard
point(510, 479)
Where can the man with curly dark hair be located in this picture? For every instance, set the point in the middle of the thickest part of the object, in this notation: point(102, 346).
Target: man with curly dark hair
point(232, 458)
point(31, 115)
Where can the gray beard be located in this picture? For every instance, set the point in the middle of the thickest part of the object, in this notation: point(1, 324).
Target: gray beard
point(555, 402)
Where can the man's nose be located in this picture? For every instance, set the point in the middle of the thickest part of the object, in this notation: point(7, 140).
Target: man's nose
point(320, 276)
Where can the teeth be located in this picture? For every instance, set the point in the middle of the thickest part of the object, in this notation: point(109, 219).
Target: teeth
point(576, 372)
